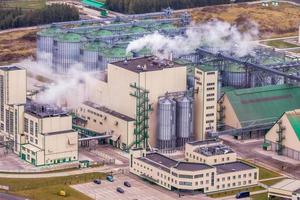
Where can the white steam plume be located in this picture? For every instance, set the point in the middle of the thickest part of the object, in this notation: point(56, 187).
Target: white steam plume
point(63, 90)
point(217, 35)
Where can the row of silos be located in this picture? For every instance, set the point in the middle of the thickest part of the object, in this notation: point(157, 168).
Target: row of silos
point(62, 50)
point(175, 121)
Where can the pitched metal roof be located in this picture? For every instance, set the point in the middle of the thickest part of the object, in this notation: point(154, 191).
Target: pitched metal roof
point(266, 104)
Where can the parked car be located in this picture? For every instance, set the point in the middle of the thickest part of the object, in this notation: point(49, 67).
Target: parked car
point(120, 190)
point(110, 178)
point(127, 184)
point(241, 195)
point(97, 181)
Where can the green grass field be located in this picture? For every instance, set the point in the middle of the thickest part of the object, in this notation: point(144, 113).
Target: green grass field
point(280, 44)
point(48, 188)
point(272, 182)
point(261, 196)
point(264, 173)
point(25, 4)
point(235, 191)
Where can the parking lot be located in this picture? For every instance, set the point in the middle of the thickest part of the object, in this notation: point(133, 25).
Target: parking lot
point(139, 190)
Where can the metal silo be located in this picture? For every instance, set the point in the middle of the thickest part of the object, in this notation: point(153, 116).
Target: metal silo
point(44, 43)
point(166, 138)
point(66, 51)
point(114, 54)
point(184, 120)
point(90, 56)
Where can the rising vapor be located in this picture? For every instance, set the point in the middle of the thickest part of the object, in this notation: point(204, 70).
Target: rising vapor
point(216, 35)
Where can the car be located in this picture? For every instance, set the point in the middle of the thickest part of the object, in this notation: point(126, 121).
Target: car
point(120, 190)
point(243, 194)
point(97, 181)
point(110, 178)
point(127, 184)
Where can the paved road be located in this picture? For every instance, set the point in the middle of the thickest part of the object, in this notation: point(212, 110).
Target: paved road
point(246, 151)
point(4, 196)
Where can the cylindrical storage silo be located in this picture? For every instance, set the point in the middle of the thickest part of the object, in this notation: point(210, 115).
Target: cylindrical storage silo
point(44, 44)
point(90, 56)
point(114, 54)
point(66, 51)
point(234, 76)
point(166, 135)
point(184, 120)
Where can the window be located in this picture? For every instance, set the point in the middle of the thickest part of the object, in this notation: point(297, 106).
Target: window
point(26, 125)
point(210, 114)
point(210, 95)
point(210, 99)
point(36, 141)
point(185, 176)
point(199, 176)
point(210, 107)
point(211, 73)
point(185, 183)
point(36, 129)
point(210, 88)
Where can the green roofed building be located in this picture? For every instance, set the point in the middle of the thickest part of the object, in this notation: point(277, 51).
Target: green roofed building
point(258, 106)
point(284, 137)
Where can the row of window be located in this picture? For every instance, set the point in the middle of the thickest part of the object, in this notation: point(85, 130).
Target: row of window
point(234, 184)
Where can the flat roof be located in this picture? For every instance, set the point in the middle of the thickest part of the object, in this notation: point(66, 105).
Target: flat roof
point(291, 185)
point(232, 167)
point(109, 111)
point(31, 147)
point(218, 149)
point(146, 64)
point(165, 163)
point(44, 110)
point(187, 166)
point(10, 68)
point(204, 142)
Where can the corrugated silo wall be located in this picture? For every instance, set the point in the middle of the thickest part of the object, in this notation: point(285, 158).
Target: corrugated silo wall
point(65, 54)
point(166, 137)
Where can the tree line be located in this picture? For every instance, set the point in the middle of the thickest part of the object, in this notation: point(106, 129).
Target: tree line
point(17, 17)
point(145, 6)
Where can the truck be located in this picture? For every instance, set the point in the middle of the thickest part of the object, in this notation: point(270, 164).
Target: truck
point(242, 194)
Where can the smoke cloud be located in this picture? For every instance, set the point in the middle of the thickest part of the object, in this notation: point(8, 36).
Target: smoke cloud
point(63, 90)
point(216, 35)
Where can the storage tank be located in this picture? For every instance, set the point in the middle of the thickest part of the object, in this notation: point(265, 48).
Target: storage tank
point(101, 33)
point(66, 51)
point(113, 54)
point(166, 134)
point(184, 120)
point(90, 56)
point(234, 76)
point(44, 43)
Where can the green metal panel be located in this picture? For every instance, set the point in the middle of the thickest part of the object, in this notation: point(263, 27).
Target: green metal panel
point(295, 122)
point(266, 104)
point(94, 4)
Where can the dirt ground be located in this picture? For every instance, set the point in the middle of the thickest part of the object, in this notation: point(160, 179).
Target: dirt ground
point(282, 20)
point(15, 46)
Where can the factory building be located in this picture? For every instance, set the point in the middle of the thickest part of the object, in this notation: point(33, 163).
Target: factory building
point(143, 95)
point(206, 85)
point(39, 134)
point(48, 136)
point(284, 136)
point(257, 106)
point(12, 101)
point(285, 189)
point(210, 152)
point(193, 176)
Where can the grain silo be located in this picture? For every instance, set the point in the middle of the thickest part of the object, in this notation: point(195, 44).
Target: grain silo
point(44, 43)
point(166, 134)
point(66, 51)
point(184, 120)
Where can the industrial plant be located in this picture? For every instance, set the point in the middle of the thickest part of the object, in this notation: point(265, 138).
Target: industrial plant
point(170, 100)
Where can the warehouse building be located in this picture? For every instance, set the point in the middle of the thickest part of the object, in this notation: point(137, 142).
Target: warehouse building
point(209, 151)
point(284, 136)
point(192, 176)
point(285, 189)
point(39, 134)
point(257, 106)
point(154, 103)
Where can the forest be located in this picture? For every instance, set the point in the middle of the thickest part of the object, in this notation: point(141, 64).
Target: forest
point(144, 6)
point(18, 17)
